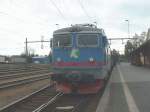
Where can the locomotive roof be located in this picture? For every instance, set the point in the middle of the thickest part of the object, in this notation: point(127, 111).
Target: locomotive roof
point(88, 28)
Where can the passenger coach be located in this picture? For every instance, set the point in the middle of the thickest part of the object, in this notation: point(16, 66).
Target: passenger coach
point(81, 59)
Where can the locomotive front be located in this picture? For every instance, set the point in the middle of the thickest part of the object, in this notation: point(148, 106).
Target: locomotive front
point(79, 59)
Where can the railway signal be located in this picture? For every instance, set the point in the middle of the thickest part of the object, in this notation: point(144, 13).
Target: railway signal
point(40, 41)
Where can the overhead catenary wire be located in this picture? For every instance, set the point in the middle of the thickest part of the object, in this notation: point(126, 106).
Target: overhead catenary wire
point(83, 8)
point(20, 19)
point(22, 7)
point(2, 29)
point(12, 18)
point(58, 10)
point(17, 19)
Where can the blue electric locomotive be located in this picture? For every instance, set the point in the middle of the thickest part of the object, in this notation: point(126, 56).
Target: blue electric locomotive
point(80, 58)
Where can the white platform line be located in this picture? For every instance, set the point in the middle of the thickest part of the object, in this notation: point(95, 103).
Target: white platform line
point(104, 101)
point(129, 98)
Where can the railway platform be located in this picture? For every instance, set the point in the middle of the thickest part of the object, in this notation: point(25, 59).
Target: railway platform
point(127, 91)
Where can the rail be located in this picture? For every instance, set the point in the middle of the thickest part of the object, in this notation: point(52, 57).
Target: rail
point(23, 104)
point(23, 81)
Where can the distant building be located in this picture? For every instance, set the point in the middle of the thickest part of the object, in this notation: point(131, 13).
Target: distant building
point(17, 59)
point(2, 59)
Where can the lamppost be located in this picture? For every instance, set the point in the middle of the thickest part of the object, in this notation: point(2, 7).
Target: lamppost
point(95, 23)
point(57, 25)
point(128, 28)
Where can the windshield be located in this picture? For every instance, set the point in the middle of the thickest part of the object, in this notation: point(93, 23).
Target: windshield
point(87, 40)
point(63, 40)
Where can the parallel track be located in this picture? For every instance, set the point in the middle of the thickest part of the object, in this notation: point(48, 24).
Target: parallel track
point(16, 75)
point(24, 81)
point(66, 103)
point(31, 102)
point(23, 67)
point(73, 102)
point(47, 100)
point(22, 74)
point(18, 70)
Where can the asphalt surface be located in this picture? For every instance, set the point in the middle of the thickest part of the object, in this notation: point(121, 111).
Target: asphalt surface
point(129, 89)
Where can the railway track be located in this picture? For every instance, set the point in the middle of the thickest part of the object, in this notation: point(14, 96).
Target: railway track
point(66, 103)
point(18, 70)
point(22, 74)
point(16, 75)
point(73, 103)
point(24, 80)
point(16, 66)
point(46, 99)
point(22, 65)
point(33, 101)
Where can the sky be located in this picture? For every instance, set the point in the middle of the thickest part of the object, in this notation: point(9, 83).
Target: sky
point(33, 19)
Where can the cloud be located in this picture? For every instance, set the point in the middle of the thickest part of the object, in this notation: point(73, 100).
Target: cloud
point(32, 18)
point(136, 8)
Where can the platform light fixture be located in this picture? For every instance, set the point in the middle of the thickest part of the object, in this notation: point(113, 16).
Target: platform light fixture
point(128, 27)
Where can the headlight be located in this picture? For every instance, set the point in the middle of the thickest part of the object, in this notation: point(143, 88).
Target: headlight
point(58, 59)
point(91, 59)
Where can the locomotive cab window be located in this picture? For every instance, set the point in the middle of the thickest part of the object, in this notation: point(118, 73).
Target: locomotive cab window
point(87, 40)
point(63, 40)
